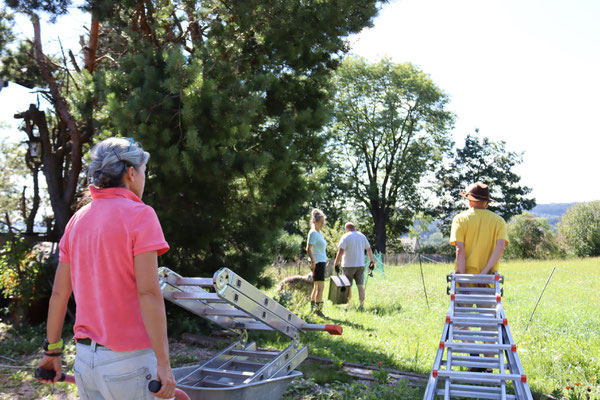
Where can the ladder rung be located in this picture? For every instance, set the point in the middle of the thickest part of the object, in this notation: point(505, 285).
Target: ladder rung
point(227, 373)
point(480, 310)
point(478, 320)
point(253, 353)
point(246, 363)
point(474, 278)
point(202, 282)
point(492, 334)
point(472, 298)
point(227, 312)
point(482, 323)
point(466, 289)
point(474, 338)
point(470, 364)
point(478, 347)
point(474, 394)
point(482, 377)
point(205, 296)
point(475, 359)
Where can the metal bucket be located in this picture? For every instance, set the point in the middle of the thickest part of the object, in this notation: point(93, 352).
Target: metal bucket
point(269, 389)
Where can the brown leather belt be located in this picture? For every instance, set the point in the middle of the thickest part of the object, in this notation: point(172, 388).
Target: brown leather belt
point(87, 342)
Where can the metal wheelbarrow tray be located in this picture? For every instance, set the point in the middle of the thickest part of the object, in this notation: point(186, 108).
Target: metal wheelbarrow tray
point(240, 371)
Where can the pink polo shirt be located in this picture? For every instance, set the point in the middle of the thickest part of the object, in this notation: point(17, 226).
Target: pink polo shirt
point(99, 243)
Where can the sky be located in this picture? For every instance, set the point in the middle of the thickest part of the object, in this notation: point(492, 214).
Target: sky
point(522, 71)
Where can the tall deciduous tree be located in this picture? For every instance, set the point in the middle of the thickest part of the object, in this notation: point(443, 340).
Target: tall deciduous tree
point(63, 130)
point(229, 98)
point(486, 161)
point(390, 129)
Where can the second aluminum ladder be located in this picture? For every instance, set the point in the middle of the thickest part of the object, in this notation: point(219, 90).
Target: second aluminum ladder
point(476, 336)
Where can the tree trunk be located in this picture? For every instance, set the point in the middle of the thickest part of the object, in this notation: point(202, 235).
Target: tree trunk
point(380, 231)
point(30, 220)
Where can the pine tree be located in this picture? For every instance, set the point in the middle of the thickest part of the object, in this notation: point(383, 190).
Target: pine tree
point(486, 161)
point(229, 98)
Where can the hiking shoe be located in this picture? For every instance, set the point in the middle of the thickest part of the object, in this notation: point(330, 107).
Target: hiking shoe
point(320, 313)
point(361, 309)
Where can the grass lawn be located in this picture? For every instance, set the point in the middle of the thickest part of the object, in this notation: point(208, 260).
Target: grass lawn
point(560, 349)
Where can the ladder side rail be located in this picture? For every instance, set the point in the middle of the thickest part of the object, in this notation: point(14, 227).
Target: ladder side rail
point(292, 363)
point(241, 300)
point(501, 367)
point(451, 315)
point(224, 278)
point(274, 365)
point(430, 391)
point(449, 361)
point(515, 356)
point(501, 364)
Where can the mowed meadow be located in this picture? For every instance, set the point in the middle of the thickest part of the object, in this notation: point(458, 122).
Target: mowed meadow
point(560, 349)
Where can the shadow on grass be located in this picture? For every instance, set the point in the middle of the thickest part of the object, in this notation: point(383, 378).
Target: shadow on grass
point(388, 309)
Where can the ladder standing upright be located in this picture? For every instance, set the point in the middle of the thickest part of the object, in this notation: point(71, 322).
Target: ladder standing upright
point(476, 335)
point(235, 304)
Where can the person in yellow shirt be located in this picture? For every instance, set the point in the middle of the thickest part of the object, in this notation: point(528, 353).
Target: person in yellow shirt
point(478, 234)
point(480, 238)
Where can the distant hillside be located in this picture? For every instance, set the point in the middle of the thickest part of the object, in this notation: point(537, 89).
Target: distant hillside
point(552, 212)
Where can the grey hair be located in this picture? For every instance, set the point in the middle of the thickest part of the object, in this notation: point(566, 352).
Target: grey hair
point(111, 157)
point(316, 215)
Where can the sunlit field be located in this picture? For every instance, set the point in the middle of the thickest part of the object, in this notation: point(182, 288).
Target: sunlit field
point(560, 349)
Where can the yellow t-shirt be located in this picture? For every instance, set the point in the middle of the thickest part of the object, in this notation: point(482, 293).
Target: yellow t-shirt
point(479, 230)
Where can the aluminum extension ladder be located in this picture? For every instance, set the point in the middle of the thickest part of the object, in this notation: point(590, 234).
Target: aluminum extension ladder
point(476, 325)
point(238, 306)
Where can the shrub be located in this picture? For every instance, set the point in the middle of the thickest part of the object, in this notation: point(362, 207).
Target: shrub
point(579, 229)
point(24, 276)
point(531, 238)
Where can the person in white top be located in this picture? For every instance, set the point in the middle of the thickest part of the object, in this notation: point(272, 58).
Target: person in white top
point(351, 250)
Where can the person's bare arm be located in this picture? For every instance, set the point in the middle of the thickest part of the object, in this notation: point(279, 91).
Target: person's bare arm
point(370, 253)
point(61, 291)
point(338, 257)
point(460, 258)
point(154, 316)
point(310, 255)
point(495, 257)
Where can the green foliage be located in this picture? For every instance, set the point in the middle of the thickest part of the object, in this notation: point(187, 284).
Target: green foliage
point(233, 126)
point(288, 245)
point(390, 129)
point(485, 161)
point(333, 234)
point(52, 7)
point(579, 229)
point(23, 275)
point(531, 238)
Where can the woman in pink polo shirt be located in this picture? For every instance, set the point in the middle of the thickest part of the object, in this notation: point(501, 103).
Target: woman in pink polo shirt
point(108, 260)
